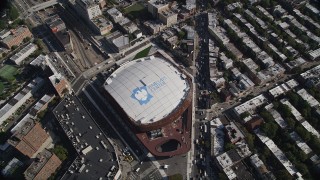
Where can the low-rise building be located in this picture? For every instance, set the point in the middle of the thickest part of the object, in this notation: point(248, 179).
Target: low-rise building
point(315, 54)
point(60, 84)
point(154, 27)
point(279, 155)
point(231, 162)
point(128, 26)
point(168, 17)
point(313, 102)
point(295, 63)
point(30, 139)
point(157, 6)
point(16, 36)
point(265, 59)
point(23, 53)
point(261, 168)
point(11, 167)
point(233, 134)
point(42, 168)
point(88, 9)
point(41, 105)
point(265, 12)
point(300, 118)
point(254, 122)
point(311, 77)
point(118, 41)
point(227, 63)
point(279, 11)
point(279, 90)
point(101, 25)
point(190, 32)
point(219, 34)
point(115, 15)
point(233, 6)
point(19, 99)
point(300, 143)
point(250, 105)
point(244, 82)
point(60, 32)
point(217, 137)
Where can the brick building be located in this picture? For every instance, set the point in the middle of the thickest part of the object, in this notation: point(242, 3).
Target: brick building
point(15, 37)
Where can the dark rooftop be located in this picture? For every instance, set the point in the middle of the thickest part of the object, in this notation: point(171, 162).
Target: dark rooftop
point(83, 132)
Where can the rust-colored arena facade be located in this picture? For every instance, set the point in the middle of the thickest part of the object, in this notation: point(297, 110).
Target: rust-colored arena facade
point(154, 97)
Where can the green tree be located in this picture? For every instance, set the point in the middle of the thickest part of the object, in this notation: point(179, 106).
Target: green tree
point(176, 177)
point(2, 24)
point(270, 129)
point(266, 115)
point(283, 175)
point(229, 146)
point(250, 141)
point(294, 98)
point(222, 176)
point(291, 122)
point(181, 34)
point(285, 110)
point(13, 12)
point(4, 137)
point(14, 47)
point(301, 156)
point(302, 168)
point(265, 3)
point(26, 39)
point(305, 135)
point(265, 152)
point(41, 114)
point(61, 152)
point(244, 115)
point(315, 144)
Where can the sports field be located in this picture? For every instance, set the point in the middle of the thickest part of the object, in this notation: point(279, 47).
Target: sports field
point(8, 72)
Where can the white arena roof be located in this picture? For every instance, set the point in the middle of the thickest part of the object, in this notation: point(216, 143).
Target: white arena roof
point(147, 89)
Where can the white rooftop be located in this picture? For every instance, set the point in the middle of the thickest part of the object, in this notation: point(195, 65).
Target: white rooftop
point(278, 153)
point(307, 97)
point(250, 105)
point(148, 89)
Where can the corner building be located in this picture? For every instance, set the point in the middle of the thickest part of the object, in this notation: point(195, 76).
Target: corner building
point(154, 98)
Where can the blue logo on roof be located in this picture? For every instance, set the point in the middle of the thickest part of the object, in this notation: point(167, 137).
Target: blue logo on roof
point(142, 95)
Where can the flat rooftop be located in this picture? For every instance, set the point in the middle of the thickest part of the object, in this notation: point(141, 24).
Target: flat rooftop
point(148, 89)
point(82, 130)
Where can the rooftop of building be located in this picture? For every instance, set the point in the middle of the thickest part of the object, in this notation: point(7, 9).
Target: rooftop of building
point(33, 84)
point(23, 51)
point(148, 89)
point(251, 104)
point(45, 164)
point(118, 39)
point(158, 3)
point(83, 132)
point(15, 32)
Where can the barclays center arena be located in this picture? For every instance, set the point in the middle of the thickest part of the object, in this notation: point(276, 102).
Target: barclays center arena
point(154, 98)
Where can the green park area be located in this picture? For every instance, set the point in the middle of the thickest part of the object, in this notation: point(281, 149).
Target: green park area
point(143, 53)
point(137, 11)
point(8, 72)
